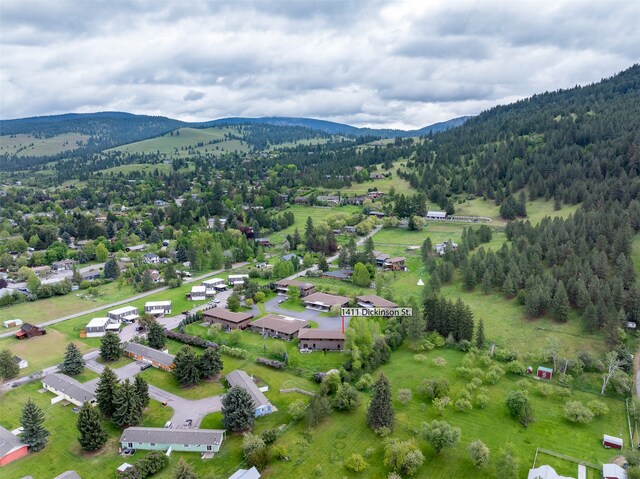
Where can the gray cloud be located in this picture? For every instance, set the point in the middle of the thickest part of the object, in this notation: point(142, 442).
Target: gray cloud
point(384, 63)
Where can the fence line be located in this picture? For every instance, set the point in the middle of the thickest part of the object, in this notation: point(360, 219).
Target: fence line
point(297, 390)
point(567, 458)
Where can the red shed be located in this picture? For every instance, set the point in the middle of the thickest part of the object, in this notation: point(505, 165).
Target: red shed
point(544, 373)
point(611, 442)
point(10, 447)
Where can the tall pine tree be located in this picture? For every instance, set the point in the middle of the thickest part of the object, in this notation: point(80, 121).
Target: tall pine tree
point(8, 366)
point(186, 369)
point(210, 363)
point(380, 413)
point(110, 347)
point(34, 434)
point(128, 407)
point(157, 336)
point(238, 410)
point(142, 391)
point(106, 391)
point(480, 335)
point(73, 362)
point(92, 432)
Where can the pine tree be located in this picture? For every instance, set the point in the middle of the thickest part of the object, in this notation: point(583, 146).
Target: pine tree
point(590, 318)
point(106, 391)
point(184, 471)
point(310, 239)
point(92, 432)
point(560, 303)
point(157, 336)
point(8, 366)
point(380, 412)
point(111, 269)
point(34, 434)
point(147, 282)
point(238, 410)
point(73, 362)
point(110, 347)
point(186, 367)
point(480, 335)
point(361, 275)
point(210, 363)
point(414, 326)
point(128, 410)
point(142, 391)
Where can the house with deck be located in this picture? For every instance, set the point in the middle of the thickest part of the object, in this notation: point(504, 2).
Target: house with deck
point(124, 314)
point(324, 301)
point(69, 389)
point(98, 327)
point(165, 439)
point(320, 340)
point(228, 319)
point(242, 379)
point(278, 326)
point(374, 301)
point(145, 354)
point(157, 307)
point(282, 287)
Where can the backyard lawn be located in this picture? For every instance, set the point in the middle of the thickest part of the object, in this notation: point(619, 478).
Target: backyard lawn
point(167, 381)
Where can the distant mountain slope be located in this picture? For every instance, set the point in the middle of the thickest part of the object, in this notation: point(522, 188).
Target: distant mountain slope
point(339, 128)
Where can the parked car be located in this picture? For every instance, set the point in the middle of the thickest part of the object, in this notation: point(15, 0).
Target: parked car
point(186, 313)
point(167, 424)
point(76, 409)
point(281, 301)
point(188, 422)
point(217, 301)
point(145, 366)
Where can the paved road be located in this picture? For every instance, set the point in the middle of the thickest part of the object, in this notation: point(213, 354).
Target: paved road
point(125, 301)
point(324, 323)
point(183, 409)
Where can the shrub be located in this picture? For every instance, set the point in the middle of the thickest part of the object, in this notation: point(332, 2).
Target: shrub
point(271, 363)
point(364, 383)
point(439, 361)
point(482, 400)
point(565, 379)
point(404, 396)
point(403, 457)
point(347, 398)
point(463, 405)
point(355, 463)
point(598, 408)
point(269, 436)
point(544, 390)
point(280, 452)
point(421, 358)
point(234, 352)
point(523, 384)
point(575, 411)
point(297, 409)
point(516, 367)
point(191, 340)
point(434, 388)
point(479, 453)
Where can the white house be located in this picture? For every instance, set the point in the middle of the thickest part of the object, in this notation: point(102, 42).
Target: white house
point(214, 284)
point(252, 473)
point(545, 472)
point(157, 307)
point(127, 313)
point(22, 363)
point(235, 279)
point(613, 471)
point(198, 293)
point(67, 388)
point(97, 327)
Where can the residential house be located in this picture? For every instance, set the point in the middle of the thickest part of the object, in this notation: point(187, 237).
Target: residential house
point(330, 200)
point(356, 200)
point(213, 285)
point(374, 301)
point(139, 247)
point(97, 327)
point(22, 363)
point(28, 330)
point(324, 301)
point(11, 447)
point(263, 241)
point(545, 472)
point(252, 473)
point(291, 257)
point(436, 215)
point(90, 275)
point(228, 319)
point(198, 293)
point(211, 222)
point(155, 275)
point(282, 287)
point(395, 264)
point(160, 203)
point(157, 307)
point(321, 340)
point(377, 214)
point(277, 326)
point(301, 200)
point(69, 389)
point(145, 354)
point(380, 258)
point(374, 195)
point(441, 248)
point(68, 475)
point(237, 279)
point(124, 314)
point(151, 258)
point(613, 471)
point(341, 274)
point(349, 229)
point(241, 379)
point(63, 265)
point(179, 440)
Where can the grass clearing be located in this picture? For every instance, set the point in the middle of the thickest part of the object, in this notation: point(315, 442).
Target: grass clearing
point(302, 212)
point(28, 145)
point(536, 210)
point(166, 380)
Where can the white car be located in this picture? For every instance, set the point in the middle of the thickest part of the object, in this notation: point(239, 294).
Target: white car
point(216, 301)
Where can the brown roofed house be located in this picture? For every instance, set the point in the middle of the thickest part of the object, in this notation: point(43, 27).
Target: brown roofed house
point(279, 326)
point(324, 301)
point(228, 319)
point(320, 340)
point(395, 264)
point(374, 301)
point(28, 330)
point(282, 287)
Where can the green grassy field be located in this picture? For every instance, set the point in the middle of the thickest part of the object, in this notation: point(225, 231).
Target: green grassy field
point(63, 451)
point(398, 184)
point(36, 312)
point(301, 213)
point(165, 380)
point(144, 168)
point(179, 146)
point(28, 145)
point(536, 210)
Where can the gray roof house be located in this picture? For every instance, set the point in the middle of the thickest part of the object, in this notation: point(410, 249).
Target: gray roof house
point(246, 474)
point(162, 439)
point(65, 387)
point(241, 379)
point(158, 359)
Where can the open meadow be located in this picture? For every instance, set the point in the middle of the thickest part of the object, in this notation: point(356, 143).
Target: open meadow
point(29, 145)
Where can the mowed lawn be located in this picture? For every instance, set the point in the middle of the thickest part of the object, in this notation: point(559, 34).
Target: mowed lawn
point(301, 213)
point(41, 310)
point(63, 451)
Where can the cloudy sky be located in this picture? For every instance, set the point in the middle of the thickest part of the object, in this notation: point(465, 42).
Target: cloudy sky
point(400, 64)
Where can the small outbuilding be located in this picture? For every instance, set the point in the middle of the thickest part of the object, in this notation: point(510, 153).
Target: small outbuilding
point(612, 442)
point(544, 373)
point(252, 473)
point(11, 448)
point(613, 471)
point(28, 330)
point(12, 323)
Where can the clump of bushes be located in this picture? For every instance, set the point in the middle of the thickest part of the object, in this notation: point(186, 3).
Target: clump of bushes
point(234, 352)
point(272, 363)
